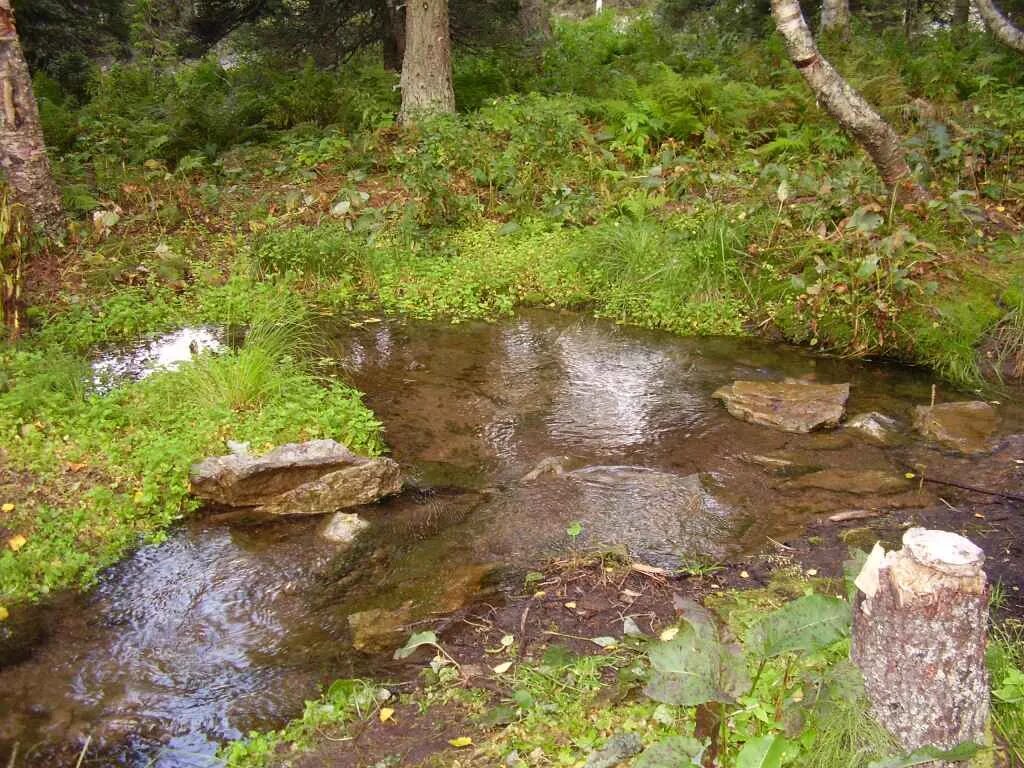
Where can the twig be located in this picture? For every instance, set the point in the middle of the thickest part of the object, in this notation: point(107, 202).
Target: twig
point(85, 748)
point(14, 755)
point(976, 489)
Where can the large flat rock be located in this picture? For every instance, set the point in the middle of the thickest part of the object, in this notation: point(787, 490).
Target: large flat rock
point(789, 406)
point(315, 477)
point(966, 427)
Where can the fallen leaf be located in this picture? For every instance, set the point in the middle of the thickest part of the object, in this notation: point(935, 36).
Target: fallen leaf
point(570, 605)
point(461, 741)
point(909, 475)
point(7, 507)
point(502, 668)
point(507, 640)
point(73, 467)
point(604, 641)
point(16, 542)
point(386, 713)
point(812, 571)
point(3, 613)
point(744, 575)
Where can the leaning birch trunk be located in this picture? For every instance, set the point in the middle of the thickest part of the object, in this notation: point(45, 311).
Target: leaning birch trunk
point(1002, 28)
point(835, 18)
point(850, 110)
point(427, 64)
point(22, 151)
point(920, 628)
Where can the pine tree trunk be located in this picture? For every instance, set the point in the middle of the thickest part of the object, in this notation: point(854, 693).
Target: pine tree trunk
point(961, 13)
point(427, 65)
point(22, 151)
point(394, 34)
point(1002, 28)
point(835, 18)
point(535, 19)
point(920, 629)
point(850, 110)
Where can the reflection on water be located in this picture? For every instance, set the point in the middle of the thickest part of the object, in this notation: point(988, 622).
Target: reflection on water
point(164, 353)
point(221, 630)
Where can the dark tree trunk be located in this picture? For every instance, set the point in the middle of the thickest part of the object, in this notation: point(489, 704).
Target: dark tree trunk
point(835, 18)
point(961, 13)
point(1002, 28)
point(535, 19)
point(850, 110)
point(22, 151)
point(394, 34)
point(920, 629)
point(427, 65)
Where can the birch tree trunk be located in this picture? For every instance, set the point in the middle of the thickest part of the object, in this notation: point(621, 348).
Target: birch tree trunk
point(22, 151)
point(835, 18)
point(427, 65)
point(535, 19)
point(920, 627)
point(1002, 28)
point(850, 110)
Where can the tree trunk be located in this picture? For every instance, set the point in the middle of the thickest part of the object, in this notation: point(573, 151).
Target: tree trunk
point(1002, 28)
point(920, 627)
point(427, 65)
point(850, 110)
point(961, 13)
point(835, 18)
point(394, 34)
point(22, 151)
point(535, 19)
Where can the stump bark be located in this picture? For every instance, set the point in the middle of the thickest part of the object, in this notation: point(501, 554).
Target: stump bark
point(920, 629)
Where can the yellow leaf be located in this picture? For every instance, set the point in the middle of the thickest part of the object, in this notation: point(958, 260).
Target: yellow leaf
point(668, 634)
point(139, 497)
point(909, 475)
point(16, 542)
point(461, 741)
point(3, 613)
point(7, 507)
point(386, 713)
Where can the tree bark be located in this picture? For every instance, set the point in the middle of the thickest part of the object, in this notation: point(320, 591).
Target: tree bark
point(535, 19)
point(1002, 28)
point(961, 13)
point(22, 151)
point(920, 629)
point(394, 34)
point(835, 18)
point(850, 110)
point(427, 65)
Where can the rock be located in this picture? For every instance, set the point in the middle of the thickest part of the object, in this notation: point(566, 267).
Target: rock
point(342, 527)
point(554, 465)
point(378, 630)
point(616, 750)
point(875, 427)
point(315, 477)
point(859, 481)
point(790, 406)
point(965, 427)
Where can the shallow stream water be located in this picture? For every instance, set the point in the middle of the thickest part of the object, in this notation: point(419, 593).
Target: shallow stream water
point(224, 629)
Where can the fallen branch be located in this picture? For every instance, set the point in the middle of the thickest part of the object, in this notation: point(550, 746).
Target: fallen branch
point(976, 489)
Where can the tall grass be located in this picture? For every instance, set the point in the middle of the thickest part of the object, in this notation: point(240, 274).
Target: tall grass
point(1006, 664)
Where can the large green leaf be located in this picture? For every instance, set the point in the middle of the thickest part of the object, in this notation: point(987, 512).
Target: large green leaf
point(418, 640)
point(762, 752)
point(673, 752)
point(807, 624)
point(924, 755)
point(696, 667)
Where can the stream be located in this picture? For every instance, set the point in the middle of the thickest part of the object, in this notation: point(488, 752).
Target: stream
point(224, 629)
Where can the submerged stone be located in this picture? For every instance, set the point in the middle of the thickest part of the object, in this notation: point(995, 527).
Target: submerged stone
point(378, 629)
point(875, 427)
point(859, 481)
point(315, 477)
point(966, 427)
point(342, 527)
point(789, 406)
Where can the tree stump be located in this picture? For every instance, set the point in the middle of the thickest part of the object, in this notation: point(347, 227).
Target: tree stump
point(920, 628)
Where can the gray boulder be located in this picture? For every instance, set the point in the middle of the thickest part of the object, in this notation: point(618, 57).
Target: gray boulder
point(966, 427)
point(315, 477)
point(875, 427)
point(791, 406)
